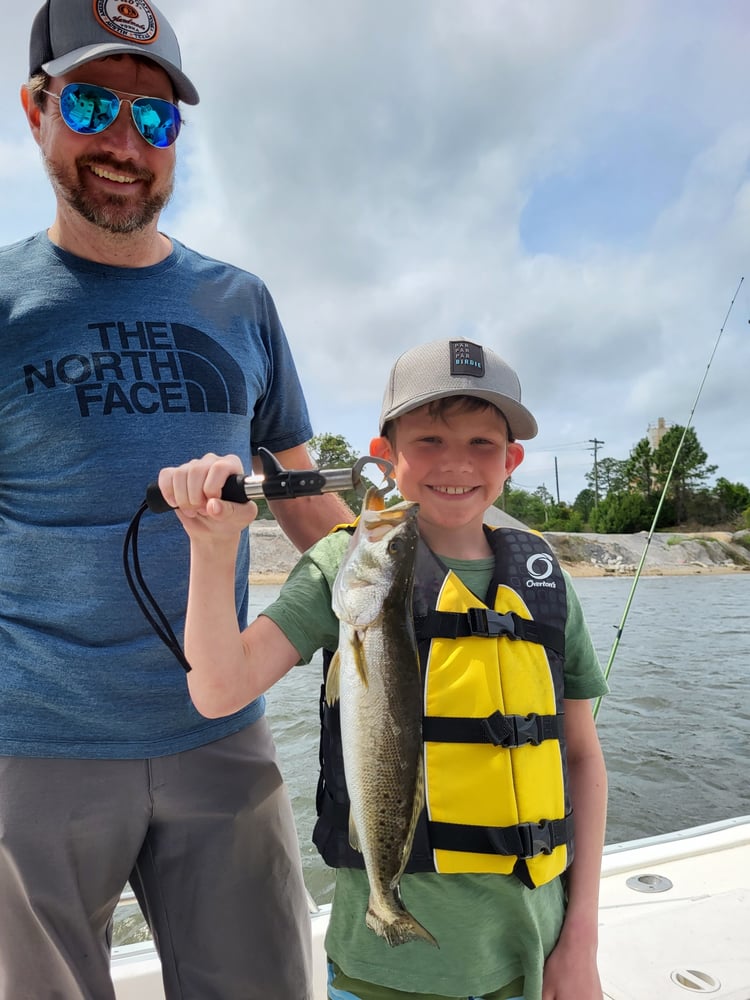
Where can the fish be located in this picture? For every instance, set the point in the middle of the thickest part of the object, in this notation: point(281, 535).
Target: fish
point(375, 677)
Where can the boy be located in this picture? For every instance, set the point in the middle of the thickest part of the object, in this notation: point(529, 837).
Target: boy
point(506, 922)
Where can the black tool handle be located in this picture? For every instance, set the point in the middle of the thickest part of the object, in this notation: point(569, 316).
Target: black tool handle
point(233, 489)
point(278, 483)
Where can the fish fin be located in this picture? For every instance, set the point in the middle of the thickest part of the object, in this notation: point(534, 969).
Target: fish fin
point(359, 657)
point(353, 835)
point(333, 678)
point(396, 924)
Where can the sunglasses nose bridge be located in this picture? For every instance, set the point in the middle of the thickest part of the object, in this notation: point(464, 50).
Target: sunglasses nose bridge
point(116, 125)
point(133, 127)
point(131, 109)
point(130, 119)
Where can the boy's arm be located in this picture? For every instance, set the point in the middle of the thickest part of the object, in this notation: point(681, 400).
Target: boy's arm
point(305, 520)
point(570, 972)
point(229, 668)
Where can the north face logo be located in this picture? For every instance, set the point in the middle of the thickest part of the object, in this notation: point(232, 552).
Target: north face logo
point(146, 367)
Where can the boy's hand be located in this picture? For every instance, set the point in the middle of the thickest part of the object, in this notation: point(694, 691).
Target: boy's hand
point(194, 489)
point(570, 972)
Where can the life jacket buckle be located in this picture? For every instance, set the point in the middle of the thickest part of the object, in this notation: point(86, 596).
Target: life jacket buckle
point(535, 839)
point(499, 730)
point(490, 624)
point(508, 731)
point(521, 840)
point(527, 841)
point(528, 729)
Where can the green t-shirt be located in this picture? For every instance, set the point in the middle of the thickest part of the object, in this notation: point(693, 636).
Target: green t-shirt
point(491, 928)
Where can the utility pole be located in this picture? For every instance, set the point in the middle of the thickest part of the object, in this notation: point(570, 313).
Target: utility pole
point(557, 483)
point(597, 444)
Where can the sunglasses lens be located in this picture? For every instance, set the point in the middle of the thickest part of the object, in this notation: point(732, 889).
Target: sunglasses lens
point(88, 109)
point(158, 121)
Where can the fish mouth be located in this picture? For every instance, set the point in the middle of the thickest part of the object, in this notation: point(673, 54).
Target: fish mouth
point(374, 507)
point(377, 522)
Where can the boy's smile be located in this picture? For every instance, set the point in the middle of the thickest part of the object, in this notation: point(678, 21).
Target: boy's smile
point(455, 467)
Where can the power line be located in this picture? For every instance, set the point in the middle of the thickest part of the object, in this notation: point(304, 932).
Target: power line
point(578, 445)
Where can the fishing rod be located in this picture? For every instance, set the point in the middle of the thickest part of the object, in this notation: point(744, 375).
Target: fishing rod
point(662, 498)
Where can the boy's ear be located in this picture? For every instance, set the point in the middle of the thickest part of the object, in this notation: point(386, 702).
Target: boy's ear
point(380, 447)
point(513, 456)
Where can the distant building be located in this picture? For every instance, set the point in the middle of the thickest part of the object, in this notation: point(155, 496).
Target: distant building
point(657, 431)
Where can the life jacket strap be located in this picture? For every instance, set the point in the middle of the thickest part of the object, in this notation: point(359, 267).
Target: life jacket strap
point(487, 624)
point(525, 840)
point(501, 730)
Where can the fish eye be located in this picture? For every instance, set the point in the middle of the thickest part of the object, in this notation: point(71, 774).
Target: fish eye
point(394, 546)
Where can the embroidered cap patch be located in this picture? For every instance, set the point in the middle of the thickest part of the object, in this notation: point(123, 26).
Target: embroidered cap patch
point(134, 21)
point(466, 358)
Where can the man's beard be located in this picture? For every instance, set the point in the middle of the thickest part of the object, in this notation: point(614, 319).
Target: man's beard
point(113, 213)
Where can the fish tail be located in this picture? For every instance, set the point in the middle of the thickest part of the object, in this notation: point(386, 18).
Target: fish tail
point(396, 925)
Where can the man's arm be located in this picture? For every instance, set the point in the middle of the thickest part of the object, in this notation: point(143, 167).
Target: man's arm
point(304, 520)
point(570, 972)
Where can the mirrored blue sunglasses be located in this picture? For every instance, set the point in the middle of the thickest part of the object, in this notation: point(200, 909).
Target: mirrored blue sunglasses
point(88, 109)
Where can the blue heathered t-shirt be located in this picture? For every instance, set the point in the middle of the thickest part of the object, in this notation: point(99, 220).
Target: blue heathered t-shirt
point(108, 374)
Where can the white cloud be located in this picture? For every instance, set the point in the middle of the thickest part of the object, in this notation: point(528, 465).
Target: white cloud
point(565, 182)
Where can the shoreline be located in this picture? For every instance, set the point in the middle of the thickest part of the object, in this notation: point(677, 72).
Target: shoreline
point(703, 553)
point(267, 579)
point(576, 569)
point(272, 579)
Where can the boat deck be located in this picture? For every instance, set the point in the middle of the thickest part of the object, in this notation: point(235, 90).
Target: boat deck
point(674, 915)
point(674, 918)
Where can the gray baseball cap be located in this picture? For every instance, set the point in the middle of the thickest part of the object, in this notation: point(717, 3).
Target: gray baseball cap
point(456, 368)
point(67, 34)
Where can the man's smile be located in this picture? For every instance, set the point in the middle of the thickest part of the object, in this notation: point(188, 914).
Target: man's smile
point(110, 176)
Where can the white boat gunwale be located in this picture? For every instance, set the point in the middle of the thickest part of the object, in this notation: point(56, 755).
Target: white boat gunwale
point(701, 867)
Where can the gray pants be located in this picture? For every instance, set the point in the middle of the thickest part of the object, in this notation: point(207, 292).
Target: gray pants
point(207, 840)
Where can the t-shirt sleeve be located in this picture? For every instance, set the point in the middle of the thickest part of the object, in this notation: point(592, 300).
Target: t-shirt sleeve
point(303, 609)
point(280, 419)
point(583, 672)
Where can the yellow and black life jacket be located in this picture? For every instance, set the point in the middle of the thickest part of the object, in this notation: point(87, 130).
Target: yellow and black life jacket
point(494, 748)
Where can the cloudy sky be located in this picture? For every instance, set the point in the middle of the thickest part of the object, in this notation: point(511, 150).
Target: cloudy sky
point(567, 183)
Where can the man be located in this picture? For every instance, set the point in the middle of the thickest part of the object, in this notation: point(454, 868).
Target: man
point(124, 350)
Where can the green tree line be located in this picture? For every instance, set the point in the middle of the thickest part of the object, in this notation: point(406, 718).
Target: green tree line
point(622, 495)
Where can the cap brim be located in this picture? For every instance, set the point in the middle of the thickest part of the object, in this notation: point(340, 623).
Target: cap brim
point(184, 89)
point(521, 422)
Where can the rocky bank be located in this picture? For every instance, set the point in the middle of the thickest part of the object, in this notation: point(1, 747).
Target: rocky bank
point(667, 553)
point(272, 555)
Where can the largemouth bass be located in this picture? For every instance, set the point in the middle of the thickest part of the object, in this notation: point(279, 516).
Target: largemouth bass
point(375, 675)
